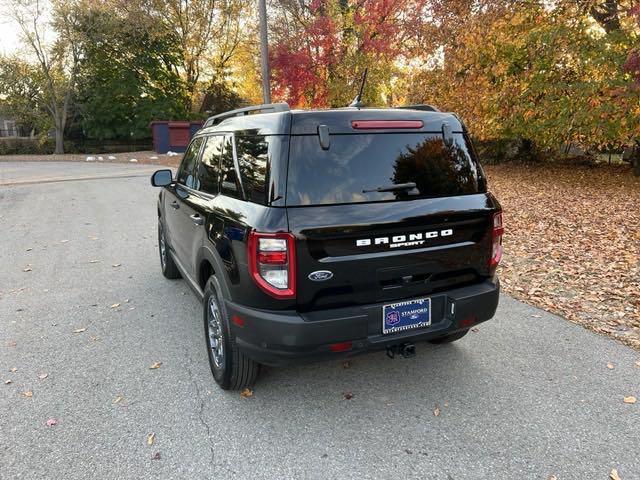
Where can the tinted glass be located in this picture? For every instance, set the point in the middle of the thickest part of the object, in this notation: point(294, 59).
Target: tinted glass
point(252, 154)
point(229, 185)
point(187, 167)
point(356, 164)
point(209, 170)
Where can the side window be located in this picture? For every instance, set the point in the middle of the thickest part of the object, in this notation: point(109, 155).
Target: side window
point(229, 185)
point(209, 169)
point(186, 172)
point(253, 158)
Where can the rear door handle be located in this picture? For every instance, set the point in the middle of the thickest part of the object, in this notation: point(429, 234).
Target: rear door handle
point(197, 219)
point(175, 205)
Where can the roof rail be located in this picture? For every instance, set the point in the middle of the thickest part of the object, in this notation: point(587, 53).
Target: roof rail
point(422, 106)
point(266, 108)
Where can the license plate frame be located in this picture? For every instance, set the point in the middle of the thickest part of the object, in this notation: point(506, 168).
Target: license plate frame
point(406, 315)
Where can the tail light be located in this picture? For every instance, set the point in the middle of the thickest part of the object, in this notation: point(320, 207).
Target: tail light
point(272, 263)
point(496, 247)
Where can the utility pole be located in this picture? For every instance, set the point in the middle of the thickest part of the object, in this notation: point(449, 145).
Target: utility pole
point(264, 51)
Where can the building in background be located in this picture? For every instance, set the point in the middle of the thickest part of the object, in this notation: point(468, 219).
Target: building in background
point(8, 127)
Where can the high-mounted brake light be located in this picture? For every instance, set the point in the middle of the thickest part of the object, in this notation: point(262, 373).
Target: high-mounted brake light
point(272, 263)
point(385, 124)
point(496, 245)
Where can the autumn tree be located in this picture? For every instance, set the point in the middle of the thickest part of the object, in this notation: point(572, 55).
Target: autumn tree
point(55, 59)
point(546, 75)
point(321, 48)
point(207, 33)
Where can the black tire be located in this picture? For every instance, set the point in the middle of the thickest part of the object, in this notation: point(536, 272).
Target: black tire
point(168, 266)
point(232, 370)
point(452, 337)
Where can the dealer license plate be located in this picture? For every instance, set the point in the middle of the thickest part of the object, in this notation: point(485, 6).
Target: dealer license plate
point(397, 317)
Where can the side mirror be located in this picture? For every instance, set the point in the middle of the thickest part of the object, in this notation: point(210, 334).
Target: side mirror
point(162, 178)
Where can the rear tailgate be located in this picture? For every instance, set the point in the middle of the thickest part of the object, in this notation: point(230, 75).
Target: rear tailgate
point(382, 252)
point(393, 212)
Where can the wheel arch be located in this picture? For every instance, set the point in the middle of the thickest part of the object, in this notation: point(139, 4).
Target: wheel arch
point(209, 263)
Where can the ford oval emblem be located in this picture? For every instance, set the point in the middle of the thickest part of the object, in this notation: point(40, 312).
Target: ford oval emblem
point(321, 275)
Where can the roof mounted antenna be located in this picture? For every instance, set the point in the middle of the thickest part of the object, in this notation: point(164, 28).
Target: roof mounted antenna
point(357, 102)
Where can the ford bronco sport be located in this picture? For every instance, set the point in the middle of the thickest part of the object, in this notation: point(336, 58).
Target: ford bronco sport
point(326, 233)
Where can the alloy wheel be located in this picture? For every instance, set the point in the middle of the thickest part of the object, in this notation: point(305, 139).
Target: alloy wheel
point(214, 326)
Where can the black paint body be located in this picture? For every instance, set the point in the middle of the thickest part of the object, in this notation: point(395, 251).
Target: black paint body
point(207, 235)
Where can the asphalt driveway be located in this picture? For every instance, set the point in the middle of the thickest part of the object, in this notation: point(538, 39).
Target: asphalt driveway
point(85, 312)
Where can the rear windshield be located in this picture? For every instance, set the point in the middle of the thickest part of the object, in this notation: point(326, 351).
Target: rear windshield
point(356, 164)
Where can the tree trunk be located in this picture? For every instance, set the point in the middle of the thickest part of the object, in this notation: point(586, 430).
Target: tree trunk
point(59, 141)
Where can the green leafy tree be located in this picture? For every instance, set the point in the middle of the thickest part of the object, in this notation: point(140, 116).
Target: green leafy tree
point(21, 94)
point(128, 73)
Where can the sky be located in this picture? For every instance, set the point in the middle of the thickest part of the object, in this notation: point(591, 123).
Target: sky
point(9, 33)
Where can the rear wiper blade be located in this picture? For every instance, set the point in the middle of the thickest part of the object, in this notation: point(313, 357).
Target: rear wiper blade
point(393, 188)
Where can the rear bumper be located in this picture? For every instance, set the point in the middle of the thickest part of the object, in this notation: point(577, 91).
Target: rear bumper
point(279, 338)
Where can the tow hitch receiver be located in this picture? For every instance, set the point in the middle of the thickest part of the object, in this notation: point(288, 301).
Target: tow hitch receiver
point(407, 350)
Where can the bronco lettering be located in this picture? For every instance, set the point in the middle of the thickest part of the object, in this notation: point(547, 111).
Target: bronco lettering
point(396, 241)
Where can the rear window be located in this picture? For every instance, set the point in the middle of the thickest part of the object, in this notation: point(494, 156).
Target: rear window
point(356, 164)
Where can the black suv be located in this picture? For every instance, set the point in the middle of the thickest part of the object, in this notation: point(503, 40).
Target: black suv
point(326, 233)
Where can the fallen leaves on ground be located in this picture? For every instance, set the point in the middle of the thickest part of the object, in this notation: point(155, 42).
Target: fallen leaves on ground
point(13, 369)
point(156, 456)
point(347, 395)
point(630, 399)
point(116, 265)
point(11, 343)
point(155, 366)
point(436, 411)
point(7, 382)
point(246, 393)
point(614, 475)
point(610, 366)
point(42, 376)
point(27, 269)
point(115, 305)
point(346, 364)
point(27, 394)
point(52, 422)
point(80, 330)
point(117, 400)
point(572, 243)
point(151, 438)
